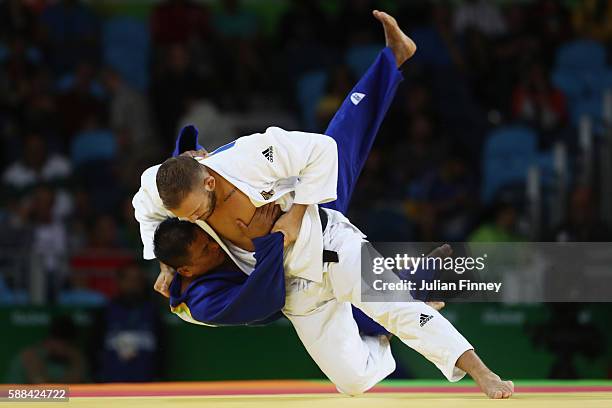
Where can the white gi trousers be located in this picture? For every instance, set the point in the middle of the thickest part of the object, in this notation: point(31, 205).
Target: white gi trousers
point(322, 316)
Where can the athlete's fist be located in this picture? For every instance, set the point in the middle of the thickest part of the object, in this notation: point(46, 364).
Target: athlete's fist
point(164, 279)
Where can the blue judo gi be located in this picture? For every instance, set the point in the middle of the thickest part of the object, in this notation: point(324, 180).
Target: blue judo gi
point(230, 297)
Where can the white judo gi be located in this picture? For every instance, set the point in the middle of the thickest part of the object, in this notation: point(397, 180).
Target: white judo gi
point(296, 167)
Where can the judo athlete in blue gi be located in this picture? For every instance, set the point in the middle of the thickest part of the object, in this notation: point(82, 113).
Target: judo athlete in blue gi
point(298, 170)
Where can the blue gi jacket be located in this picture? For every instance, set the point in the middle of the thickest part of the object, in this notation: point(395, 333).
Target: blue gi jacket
point(230, 297)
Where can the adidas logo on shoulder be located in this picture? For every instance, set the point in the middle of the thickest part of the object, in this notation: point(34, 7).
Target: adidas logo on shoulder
point(424, 319)
point(269, 154)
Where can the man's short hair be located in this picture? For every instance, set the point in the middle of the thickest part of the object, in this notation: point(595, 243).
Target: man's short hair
point(176, 177)
point(172, 240)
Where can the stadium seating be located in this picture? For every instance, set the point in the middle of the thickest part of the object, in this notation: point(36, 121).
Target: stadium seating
point(508, 153)
point(581, 73)
point(432, 50)
point(125, 44)
point(12, 297)
point(359, 58)
point(81, 297)
point(387, 222)
point(581, 55)
point(98, 144)
point(310, 90)
point(66, 82)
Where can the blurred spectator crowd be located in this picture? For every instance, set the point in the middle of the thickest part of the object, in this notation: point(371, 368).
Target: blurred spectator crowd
point(92, 93)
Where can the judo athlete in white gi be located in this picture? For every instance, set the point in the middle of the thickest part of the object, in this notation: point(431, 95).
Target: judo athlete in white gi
point(298, 171)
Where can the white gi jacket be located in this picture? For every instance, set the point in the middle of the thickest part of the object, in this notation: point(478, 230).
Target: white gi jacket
point(279, 166)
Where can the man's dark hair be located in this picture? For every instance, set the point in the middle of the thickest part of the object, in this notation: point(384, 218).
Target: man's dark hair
point(172, 240)
point(176, 177)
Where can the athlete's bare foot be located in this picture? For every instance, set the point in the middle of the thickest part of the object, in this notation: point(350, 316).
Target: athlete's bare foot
point(402, 47)
point(436, 305)
point(487, 380)
point(493, 386)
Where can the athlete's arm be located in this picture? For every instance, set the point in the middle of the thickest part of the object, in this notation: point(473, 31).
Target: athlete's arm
point(290, 222)
point(309, 157)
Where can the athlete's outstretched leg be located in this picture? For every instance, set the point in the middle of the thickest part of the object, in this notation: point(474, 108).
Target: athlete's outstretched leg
point(355, 125)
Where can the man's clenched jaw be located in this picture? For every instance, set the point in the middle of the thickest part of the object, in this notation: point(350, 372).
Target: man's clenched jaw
point(199, 204)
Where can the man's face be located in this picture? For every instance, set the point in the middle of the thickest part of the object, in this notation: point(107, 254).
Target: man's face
point(204, 254)
point(199, 204)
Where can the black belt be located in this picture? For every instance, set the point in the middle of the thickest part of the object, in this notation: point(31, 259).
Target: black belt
point(328, 256)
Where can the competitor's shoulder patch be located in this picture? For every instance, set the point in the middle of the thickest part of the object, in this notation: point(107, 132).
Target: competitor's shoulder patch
point(356, 97)
point(267, 194)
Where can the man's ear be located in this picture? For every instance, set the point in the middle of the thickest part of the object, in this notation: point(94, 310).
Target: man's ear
point(209, 183)
point(184, 271)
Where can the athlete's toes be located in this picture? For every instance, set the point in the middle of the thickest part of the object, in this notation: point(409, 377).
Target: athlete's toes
point(508, 389)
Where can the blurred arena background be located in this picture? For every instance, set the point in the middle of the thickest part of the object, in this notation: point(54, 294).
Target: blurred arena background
point(501, 131)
